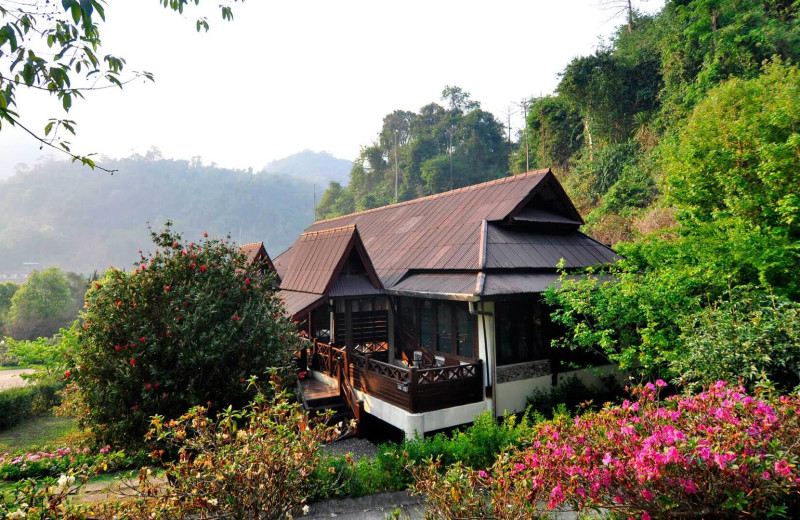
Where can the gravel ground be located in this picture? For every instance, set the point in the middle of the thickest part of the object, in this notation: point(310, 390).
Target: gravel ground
point(358, 447)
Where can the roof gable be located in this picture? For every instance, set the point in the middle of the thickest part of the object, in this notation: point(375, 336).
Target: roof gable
point(256, 253)
point(318, 257)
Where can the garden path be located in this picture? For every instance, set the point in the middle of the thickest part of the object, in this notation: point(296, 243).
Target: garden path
point(11, 379)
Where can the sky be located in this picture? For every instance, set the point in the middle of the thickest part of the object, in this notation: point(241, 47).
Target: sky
point(286, 76)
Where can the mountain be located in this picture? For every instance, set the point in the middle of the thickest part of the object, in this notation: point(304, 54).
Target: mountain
point(315, 167)
point(62, 214)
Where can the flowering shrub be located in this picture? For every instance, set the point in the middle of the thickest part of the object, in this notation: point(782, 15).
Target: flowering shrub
point(719, 453)
point(254, 463)
point(185, 328)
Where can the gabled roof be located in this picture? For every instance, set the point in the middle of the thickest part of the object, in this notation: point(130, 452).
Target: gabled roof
point(446, 231)
point(257, 253)
point(316, 264)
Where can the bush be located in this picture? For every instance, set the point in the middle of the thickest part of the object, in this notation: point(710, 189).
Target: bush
point(749, 333)
point(721, 453)
point(573, 395)
point(16, 404)
point(254, 463)
point(391, 469)
point(187, 327)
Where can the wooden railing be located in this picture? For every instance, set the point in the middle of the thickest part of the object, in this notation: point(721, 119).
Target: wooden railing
point(346, 390)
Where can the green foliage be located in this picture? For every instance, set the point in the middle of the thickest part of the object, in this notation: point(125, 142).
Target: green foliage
point(187, 327)
point(45, 354)
point(748, 334)
point(20, 403)
point(573, 395)
point(41, 306)
point(434, 150)
point(7, 290)
point(738, 155)
point(392, 468)
point(555, 135)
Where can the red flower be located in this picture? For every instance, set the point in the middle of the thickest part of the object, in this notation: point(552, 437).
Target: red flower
point(135, 407)
point(166, 396)
point(96, 285)
point(141, 340)
point(174, 244)
point(205, 234)
point(192, 265)
point(67, 373)
point(143, 267)
point(148, 386)
point(166, 288)
point(247, 281)
point(203, 268)
point(241, 380)
point(119, 303)
point(283, 338)
point(157, 384)
point(236, 318)
point(133, 362)
point(118, 348)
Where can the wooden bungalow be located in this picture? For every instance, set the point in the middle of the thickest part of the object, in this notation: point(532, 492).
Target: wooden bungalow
point(426, 313)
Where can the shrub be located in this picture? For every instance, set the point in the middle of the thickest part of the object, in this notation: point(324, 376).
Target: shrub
point(391, 469)
point(186, 327)
point(573, 395)
point(18, 404)
point(254, 463)
point(750, 334)
point(15, 405)
point(721, 453)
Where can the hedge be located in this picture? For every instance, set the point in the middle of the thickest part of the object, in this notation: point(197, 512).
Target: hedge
point(17, 404)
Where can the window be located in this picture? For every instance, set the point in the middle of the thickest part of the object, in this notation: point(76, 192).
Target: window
point(444, 329)
point(426, 325)
point(464, 328)
point(523, 331)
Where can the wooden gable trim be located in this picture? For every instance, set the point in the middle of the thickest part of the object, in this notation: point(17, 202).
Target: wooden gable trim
point(548, 180)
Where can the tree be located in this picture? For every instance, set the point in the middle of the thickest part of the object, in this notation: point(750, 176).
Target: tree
point(72, 65)
point(187, 327)
point(7, 290)
point(41, 306)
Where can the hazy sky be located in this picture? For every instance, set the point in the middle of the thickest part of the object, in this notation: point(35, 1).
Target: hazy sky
point(306, 74)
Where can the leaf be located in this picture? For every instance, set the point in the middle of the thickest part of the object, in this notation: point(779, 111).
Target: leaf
point(48, 128)
point(76, 12)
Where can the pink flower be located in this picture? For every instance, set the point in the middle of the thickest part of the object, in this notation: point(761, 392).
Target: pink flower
point(661, 383)
point(783, 468)
point(647, 495)
point(482, 474)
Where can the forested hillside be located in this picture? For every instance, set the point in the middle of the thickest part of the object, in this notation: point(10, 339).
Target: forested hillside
point(66, 215)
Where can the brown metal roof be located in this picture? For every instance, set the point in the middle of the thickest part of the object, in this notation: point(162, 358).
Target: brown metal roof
point(517, 283)
point(435, 284)
point(318, 258)
point(298, 303)
point(441, 231)
point(513, 248)
point(256, 253)
point(353, 285)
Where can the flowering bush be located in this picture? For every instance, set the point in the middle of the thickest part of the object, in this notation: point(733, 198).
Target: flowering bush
point(185, 328)
point(254, 463)
point(716, 454)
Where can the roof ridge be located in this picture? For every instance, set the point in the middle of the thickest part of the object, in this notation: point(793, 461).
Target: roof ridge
point(252, 244)
point(330, 230)
point(436, 195)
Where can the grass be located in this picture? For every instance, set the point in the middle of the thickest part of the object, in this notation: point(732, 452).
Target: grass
point(42, 430)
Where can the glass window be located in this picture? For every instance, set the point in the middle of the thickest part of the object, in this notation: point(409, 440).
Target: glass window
point(426, 324)
point(444, 328)
point(464, 327)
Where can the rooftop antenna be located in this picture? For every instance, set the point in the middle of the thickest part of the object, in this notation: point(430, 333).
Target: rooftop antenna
point(525, 127)
point(315, 202)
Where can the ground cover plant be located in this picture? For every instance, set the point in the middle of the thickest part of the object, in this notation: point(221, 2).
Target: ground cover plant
point(719, 453)
point(187, 327)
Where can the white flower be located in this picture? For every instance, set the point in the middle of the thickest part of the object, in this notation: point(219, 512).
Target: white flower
point(65, 481)
point(213, 501)
point(306, 509)
point(16, 515)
